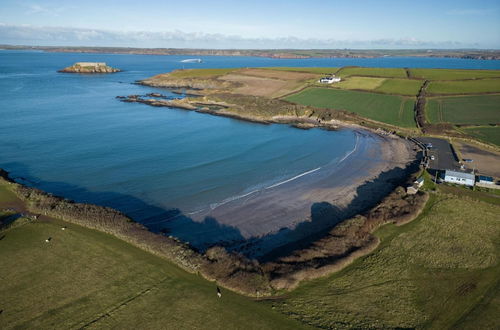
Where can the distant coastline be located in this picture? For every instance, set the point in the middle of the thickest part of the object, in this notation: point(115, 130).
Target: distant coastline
point(476, 54)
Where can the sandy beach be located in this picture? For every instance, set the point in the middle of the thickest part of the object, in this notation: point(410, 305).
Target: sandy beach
point(263, 220)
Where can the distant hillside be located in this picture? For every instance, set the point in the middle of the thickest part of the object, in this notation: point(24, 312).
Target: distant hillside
point(278, 53)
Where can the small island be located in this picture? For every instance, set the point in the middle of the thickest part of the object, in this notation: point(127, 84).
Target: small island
point(89, 67)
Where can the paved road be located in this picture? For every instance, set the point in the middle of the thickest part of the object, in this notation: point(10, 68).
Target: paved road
point(444, 158)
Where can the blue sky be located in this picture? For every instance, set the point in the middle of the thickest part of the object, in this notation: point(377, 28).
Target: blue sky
point(253, 24)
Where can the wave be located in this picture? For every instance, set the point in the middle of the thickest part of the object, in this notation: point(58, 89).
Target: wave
point(230, 199)
point(294, 178)
point(352, 151)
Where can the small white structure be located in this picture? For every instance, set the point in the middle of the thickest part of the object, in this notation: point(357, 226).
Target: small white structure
point(329, 80)
point(464, 178)
point(94, 64)
point(485, 180)
point(419, 182)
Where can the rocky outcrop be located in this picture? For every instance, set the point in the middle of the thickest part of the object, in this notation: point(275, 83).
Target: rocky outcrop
point(89, 67)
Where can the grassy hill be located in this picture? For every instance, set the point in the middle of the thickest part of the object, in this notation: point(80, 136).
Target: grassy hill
point(440, 271)
point(83, 277)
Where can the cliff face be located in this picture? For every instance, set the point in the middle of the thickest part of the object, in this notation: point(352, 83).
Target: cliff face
point(89, 67)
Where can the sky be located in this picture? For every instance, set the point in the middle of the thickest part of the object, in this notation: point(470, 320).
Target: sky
point(322, 24)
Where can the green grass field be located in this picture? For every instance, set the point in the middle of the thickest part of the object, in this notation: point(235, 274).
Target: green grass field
point(200, 73)
point(464, 86)
point(486, 133)
point(84, 277)
point(308, 70)
point(440, 271)
point(478, 110)
point(372, 72)
point(390, 109)
point(453, 74)
point(400, 86)
point(366, 83)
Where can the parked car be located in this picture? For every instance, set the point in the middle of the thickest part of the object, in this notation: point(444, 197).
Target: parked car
point(432, 157)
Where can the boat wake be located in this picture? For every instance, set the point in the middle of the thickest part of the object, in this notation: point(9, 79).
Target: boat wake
point(192, 60)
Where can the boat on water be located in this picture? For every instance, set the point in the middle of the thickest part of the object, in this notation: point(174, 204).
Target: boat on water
point(192, 60)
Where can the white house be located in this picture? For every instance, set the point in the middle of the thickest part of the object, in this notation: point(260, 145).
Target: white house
point(464, 178)
point(419, 182)
point(329, 80)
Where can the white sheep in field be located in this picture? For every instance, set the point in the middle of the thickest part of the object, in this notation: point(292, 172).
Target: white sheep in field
point(63, 228)
point(48, 239)
point(219, 294)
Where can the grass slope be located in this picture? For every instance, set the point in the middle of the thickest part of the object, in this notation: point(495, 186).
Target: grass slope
point(87, 277)
point(464, 86)
point(437, 271)
point(453, 74)
point(372, 72)
point(488, 134)
point(394, 110)
point(400, 86)
point(479, 109)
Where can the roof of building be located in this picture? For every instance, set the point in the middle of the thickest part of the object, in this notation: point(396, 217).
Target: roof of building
point(462, 175)
point(485, 178)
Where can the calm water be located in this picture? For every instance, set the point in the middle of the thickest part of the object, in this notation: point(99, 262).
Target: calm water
point(67, 134)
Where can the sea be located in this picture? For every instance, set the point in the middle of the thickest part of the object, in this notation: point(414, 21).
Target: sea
point(68, 134)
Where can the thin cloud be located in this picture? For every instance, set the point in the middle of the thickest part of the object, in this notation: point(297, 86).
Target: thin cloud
point(35, 8)
point(62, 36)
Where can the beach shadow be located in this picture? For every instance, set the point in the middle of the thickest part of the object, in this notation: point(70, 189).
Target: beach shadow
point(201, 235)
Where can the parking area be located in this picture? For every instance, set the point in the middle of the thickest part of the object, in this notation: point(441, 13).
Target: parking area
point(440, 153)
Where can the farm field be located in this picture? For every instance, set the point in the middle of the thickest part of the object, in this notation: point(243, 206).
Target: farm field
point(397, 86)
point(489, 134)
point(366, 83)
point(372, 72)
point(200, 73)
point(407, 87)
point(477, 110)
point(325, 70)
point(464, 86)
point(390, 109)
point(430, 273)
point(84, 277)
point(452, 74)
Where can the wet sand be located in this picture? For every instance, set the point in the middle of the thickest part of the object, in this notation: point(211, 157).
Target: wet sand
point(260, 221)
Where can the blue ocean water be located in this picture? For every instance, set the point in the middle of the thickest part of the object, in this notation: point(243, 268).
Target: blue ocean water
point(67, 134)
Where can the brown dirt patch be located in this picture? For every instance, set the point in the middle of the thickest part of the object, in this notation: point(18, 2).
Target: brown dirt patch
point(485, 161)
point(259, 86)
point(275, 74)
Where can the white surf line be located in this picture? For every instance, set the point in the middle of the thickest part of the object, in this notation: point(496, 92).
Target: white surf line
point(295, 177)
point(353, 150)
point(230, 199)
point(195, 212)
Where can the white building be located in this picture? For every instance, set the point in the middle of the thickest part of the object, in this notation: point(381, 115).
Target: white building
point(464, 178)
point(486, 180)
point(329, 80)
